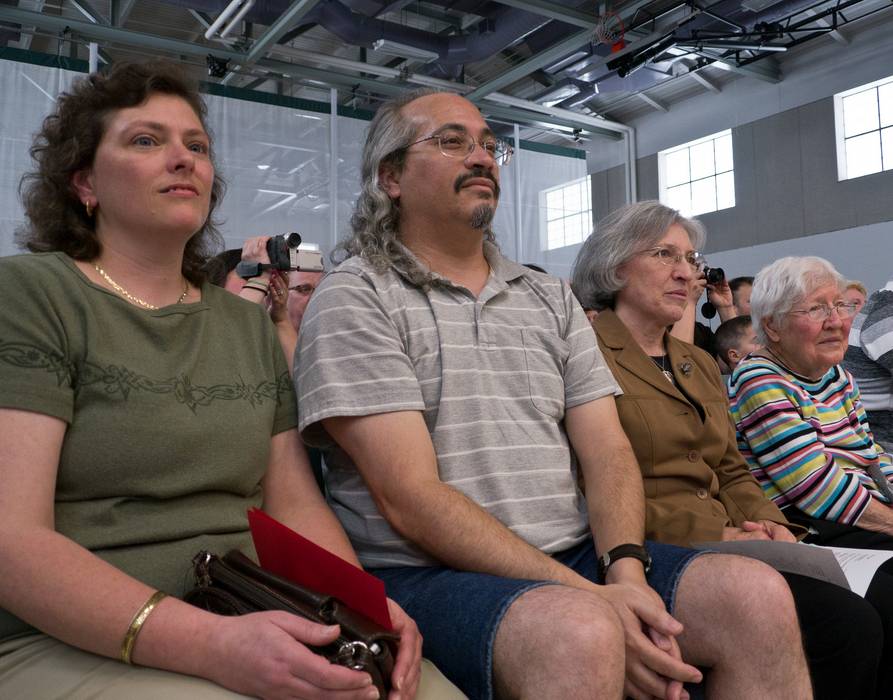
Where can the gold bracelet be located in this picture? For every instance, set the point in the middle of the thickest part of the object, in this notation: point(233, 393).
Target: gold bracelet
point(136, 624)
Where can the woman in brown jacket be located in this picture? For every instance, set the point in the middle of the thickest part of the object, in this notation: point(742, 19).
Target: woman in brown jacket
point(636, 271)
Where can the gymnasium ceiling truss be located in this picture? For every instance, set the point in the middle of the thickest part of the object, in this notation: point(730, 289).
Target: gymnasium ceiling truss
point(560, 68)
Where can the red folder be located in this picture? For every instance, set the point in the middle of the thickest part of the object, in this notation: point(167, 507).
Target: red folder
point(285, 553)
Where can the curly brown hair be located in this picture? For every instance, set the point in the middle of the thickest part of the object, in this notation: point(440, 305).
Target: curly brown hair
point(67, 143)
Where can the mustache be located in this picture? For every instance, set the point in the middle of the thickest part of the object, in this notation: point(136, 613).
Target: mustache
point(476, 173)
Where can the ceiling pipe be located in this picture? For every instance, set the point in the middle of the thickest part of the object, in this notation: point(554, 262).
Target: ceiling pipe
point(235, 20)
point(225, 14)
point(591, 124)
point(358, 29)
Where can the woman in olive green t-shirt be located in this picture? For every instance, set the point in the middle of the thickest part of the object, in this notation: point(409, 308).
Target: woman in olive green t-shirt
point(141, 412)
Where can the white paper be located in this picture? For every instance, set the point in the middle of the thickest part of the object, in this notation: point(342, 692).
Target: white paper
point(793, 557)
point(859, 565)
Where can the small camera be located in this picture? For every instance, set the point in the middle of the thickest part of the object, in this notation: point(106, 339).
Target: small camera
point(714, 275)
point(217, 67)
point(285, 254)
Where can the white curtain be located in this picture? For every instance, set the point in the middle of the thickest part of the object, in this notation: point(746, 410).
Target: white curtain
point(29, 95)
point(277, 164)
point(540, 172)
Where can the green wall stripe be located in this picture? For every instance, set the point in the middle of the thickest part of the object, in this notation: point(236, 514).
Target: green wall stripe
point(267, 98)
point(553, 150)
point(43, 59)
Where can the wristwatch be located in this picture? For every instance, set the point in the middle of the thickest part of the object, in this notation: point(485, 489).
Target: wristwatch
point(621, 551)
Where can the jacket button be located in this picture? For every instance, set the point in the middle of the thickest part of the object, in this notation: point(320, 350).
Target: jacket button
point(693, 456)
point(702, 494)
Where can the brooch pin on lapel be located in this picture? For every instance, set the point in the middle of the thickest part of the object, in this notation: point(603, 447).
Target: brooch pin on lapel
point(686, 368)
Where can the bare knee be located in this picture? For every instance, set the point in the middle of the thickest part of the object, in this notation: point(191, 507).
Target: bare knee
point(574, 637)
point(738, 603)
point(758, 594)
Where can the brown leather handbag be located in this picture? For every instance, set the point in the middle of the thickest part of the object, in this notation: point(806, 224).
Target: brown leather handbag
point(235, 585)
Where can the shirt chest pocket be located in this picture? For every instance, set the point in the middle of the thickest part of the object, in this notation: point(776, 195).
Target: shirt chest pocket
point(545, 356)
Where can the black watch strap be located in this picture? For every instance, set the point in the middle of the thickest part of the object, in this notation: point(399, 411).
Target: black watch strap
point(622, 551)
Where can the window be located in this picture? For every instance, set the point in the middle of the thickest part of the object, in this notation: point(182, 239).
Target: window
point(568, 213)
point(863, 121)
point(698, 177)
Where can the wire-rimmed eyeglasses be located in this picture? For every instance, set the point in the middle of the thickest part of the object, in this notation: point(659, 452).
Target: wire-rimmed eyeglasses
point(671, 256)
point(303, 288)
point(819, 312)
point(460, 144)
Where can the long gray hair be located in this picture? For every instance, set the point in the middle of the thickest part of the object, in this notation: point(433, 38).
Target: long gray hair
point(620, 236)
point(376, 218)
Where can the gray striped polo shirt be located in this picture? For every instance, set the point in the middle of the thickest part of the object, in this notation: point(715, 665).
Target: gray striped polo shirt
point(869, 358)
point(492, 376)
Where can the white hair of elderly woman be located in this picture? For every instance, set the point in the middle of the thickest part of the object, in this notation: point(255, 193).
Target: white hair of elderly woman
point(779, 287)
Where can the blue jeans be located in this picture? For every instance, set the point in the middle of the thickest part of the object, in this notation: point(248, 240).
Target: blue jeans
point(458, 612)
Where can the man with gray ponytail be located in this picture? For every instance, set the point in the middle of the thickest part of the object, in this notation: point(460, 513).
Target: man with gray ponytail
point(457, 396)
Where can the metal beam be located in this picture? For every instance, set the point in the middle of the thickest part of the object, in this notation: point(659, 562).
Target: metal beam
point(531, 119)
point(767, 69)
point(393, 6)
point(26, 35)
point(544, 8)
point(498, 105)
point(255, 84)
point(651, 102)
point(710, 85)
point(202, 19)
point(834, 33)
point(120, 11)
point(88, 11)
point(100, 32)
point(589, 123)
point(547, 57)
point(91, 14)
point(540, 60)
point(276, 30)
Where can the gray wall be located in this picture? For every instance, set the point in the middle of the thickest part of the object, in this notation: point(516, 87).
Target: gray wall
point(785, 183)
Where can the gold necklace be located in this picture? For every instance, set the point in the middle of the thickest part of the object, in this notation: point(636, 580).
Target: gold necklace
point(136, 300)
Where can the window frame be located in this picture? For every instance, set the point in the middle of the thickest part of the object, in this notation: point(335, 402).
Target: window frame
point(662, 176)
point(586, 180)
point(840, 137)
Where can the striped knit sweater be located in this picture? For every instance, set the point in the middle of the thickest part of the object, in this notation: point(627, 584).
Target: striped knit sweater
point(807, 443)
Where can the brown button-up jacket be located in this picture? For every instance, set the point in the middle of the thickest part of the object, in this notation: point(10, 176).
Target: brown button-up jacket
point(696, 481)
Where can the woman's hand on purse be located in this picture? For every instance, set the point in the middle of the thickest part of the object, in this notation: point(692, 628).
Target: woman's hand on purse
point(408, 664)
point(265, 655)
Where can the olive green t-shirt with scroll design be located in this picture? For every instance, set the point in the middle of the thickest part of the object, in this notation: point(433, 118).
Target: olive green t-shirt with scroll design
point(169, 414)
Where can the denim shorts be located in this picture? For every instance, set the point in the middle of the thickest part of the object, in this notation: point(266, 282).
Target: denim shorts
point(459, 612)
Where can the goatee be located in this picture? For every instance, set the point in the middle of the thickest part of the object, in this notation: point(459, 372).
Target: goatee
point(482, 216)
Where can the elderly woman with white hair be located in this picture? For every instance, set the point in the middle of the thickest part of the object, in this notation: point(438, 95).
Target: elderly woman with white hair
point(637, 270)
point(801, 424)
